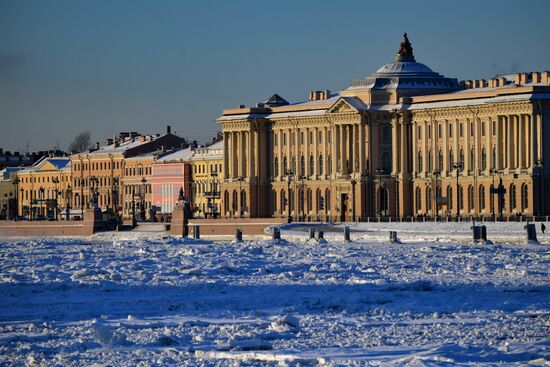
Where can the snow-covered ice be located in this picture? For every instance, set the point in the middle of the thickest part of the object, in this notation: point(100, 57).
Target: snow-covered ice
point(140, 299)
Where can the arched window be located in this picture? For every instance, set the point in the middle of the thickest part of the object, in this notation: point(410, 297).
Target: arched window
point(513, 201)
point(430, 161)
point(284, 201)
point(450, 197)
point(293, 166)
point(418, 199)
point(226, 201)
point(385, 160)
point(327, 200)
point(235, 201)
point(302, 166)
point(285, 166)
point(495, 157)
point(329, 165)
point(274, 200)
point(524, 197)
point(420, 163)
point(429, 198)
point(451, 159)
point(311, 165)
point(483, 159)
point(243, 201)
point(481, 197)
point(470, 198)
point(276, 167)
point(461, 160)
point(320, 165)
point(309, 200)
point(440, 161)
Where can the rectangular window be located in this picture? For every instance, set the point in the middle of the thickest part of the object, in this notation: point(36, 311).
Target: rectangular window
point(420, 132)
point(450, 130)
point(275, 137)
point(386, 135)
point(320, 137)
point(471, 129)
point(483, 128)
point(461, 128)
point(494, 128)
point(284, 139)
point(439, 129)
point(429, 132)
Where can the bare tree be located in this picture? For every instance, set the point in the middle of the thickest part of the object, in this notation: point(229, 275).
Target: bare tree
point(80, 143)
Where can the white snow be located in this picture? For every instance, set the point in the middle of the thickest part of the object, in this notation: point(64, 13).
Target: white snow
point(141, 299)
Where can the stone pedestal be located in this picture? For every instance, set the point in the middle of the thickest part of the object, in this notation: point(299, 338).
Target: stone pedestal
point(180, 219)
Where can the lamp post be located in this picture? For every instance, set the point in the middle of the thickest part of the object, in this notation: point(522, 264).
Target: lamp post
point(55, 181)
point(41, 190)
point(143, 193)
point(493, 172)
point(15, 187)
point(436, 174)
point(133, 206)
point(458, 166)
point(68, 196)
point(214, 175)
point(288, 173)
point(22, 191)
point(241, 180)
point(379, 173)
point(301, 198)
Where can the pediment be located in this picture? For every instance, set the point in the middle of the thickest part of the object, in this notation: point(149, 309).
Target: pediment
point(46, 166)
point(346, 105)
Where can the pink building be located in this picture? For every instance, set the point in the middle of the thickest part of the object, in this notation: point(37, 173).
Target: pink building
point(169, 174)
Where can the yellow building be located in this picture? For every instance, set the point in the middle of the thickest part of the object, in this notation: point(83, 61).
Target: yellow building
point(206, 173)
point(45, 189)
point(137, 187)
point(9, 192)
point(402, 142)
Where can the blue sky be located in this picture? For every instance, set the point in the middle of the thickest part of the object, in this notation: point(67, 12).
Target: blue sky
point(110, 66)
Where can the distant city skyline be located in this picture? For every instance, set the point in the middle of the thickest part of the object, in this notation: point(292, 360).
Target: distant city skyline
point(105, 67)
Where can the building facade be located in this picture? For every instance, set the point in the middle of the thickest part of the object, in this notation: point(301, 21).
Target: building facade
point(170, 174)
point(44, 189)
point(98, 173)
point(206, 172)
point(402, 142)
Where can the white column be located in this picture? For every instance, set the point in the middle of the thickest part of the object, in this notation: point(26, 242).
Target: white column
point(325, 150)
point(488, 145)
point(306, 140)
point(538, 135)
point(315, 153)
point(425, 157)
point(414, 150)
point(445, 148)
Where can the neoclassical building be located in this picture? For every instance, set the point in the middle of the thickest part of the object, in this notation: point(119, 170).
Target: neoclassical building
point(402, 142)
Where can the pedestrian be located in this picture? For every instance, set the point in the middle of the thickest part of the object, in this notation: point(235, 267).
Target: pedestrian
point(542, 227)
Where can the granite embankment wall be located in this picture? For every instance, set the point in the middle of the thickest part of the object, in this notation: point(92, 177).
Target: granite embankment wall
point(91, 224)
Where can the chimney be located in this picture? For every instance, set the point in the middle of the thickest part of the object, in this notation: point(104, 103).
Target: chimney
point(523, 78)
point(97, 145)
point(109, 141)
point(502, 82)
point(545, 77)
point(517, 79)
point(242, 106)
point(168, 130)
point(535, 77)
point(142, 138)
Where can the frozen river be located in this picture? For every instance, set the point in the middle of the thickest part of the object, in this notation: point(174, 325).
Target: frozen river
point(136, 299)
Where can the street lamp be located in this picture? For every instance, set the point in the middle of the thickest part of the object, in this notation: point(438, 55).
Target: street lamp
point(22, 191)
point(436, 174)
point(214, 175)
point(15, 186)
point(55, 181)
point(41, 190)
point(458, 166)
point(144, 190)
point(301, 199)
point(493, 172)
point(68, 196)
point(289, 174)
